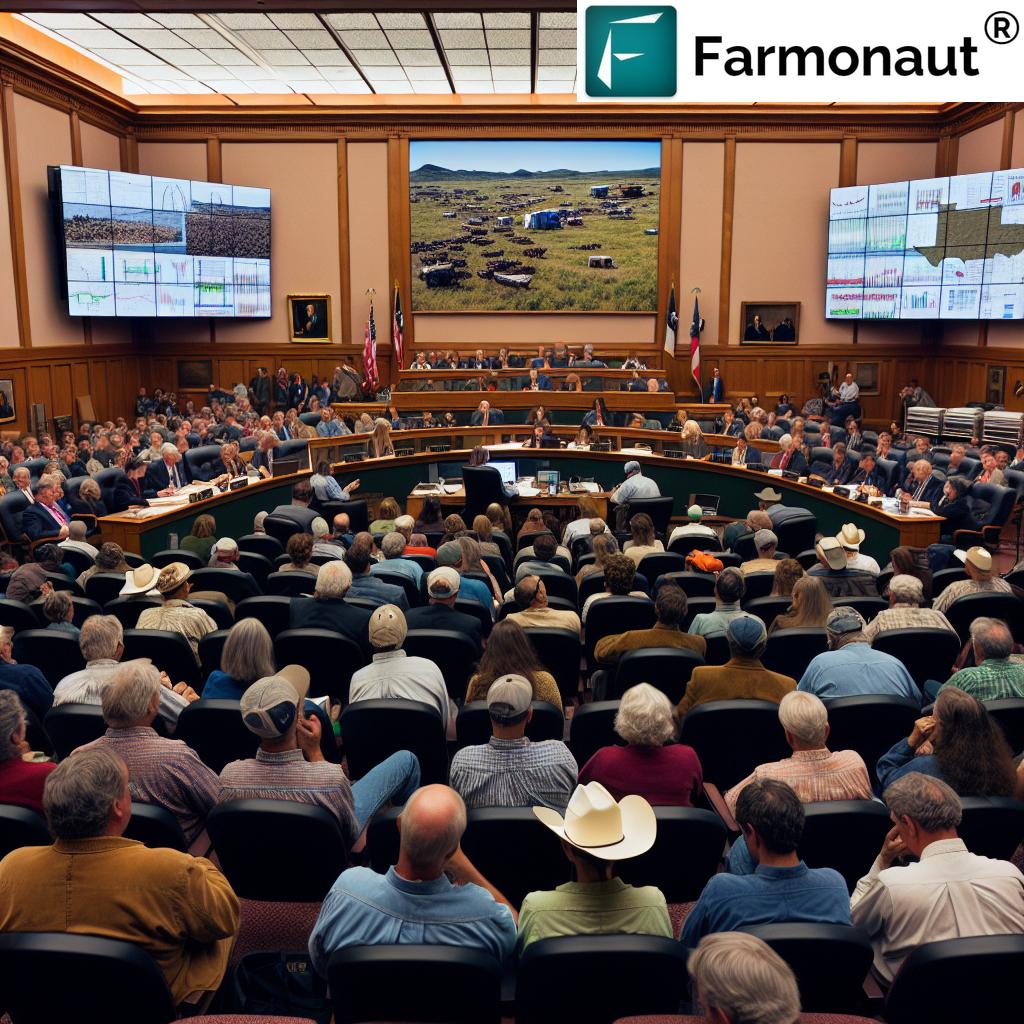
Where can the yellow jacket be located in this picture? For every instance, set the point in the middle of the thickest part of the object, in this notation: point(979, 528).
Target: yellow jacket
point(737, 679)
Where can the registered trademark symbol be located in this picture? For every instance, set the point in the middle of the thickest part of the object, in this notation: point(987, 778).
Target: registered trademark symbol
point(1002, 27)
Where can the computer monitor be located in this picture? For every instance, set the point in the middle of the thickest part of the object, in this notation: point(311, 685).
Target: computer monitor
point(507, 468)
point(708, 503)
point(549, 477)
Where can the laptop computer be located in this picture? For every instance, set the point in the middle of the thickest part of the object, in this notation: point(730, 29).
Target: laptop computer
point(708, 503)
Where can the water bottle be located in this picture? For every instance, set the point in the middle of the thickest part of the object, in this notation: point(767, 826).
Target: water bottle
point(172, 541)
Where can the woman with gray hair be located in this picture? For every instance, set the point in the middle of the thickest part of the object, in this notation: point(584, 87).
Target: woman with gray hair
point(59, 610)
point(21, 781)
point(248, 655)
point(109, 559)
point(664, 773)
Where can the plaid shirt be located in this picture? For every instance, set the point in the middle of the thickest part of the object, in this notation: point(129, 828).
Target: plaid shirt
point(814, 775)
point(179, 617)
point(993, 679)
point(515, 773)
point(287, 775)
point(905, 616)
point(964, 587)
point(164, 772)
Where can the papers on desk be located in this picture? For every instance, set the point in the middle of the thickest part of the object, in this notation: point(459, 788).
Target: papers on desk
point(635, 451)
point(584, 487)
point(452, 488)
point(527, 490)
point(506, 446)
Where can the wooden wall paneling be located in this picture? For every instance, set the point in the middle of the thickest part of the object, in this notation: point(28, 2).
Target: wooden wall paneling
point(1006, 156)
point(10, 140)
point(76, 137)
point(399, 231)
point(39, 388)
point(213, 163)
point(728, 206)
point(343, 312)
point(62, 400)
point(670, 271)
point(848, 162)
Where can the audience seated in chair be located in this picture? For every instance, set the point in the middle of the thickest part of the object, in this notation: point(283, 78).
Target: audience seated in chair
point(175, 614)
point(694, 528)
point(29, 581)
point(851, 667)
point(531, 597)
point(839, 579)
point(359, 558)
point(670, 607)
point(298, 510)
point(392, 548)
point(619, 581)
point(44, 517)
point(906, 595)
point(440, 611)
point(327, 608)
point(21, 781)
point(981, 579)
point(451, 554)
point(179, 909)
point(202, 538)
point(433, 895)
point(78, 539)
point(596, 831)
point(850, 538)
point(765, 543)
point(742, 677)
point(538, 557)
point(948, 893)
point(993, 676)
point(729, 591)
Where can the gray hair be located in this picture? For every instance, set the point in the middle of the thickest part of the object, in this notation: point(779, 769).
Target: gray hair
point(426, 844)
point(248, 652)
point(56, 605)
point(742, 976)
point(906, 589)
point(392, 545)
point(449, 554)
point(993, 637)
point(127, 697)
point(80, 793)
point(333, 579)
point(169, 449)
point(77, 530)
point(100, 636)
point(644, 718)
point(805, 716)
point(929, 802)
point(12, 717)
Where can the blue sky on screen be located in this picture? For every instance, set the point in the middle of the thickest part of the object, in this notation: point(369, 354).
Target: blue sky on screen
point(537, 155)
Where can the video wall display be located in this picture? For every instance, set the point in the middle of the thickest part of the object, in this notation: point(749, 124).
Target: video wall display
point(136, 245)
point(933, 249)
point(549, 225)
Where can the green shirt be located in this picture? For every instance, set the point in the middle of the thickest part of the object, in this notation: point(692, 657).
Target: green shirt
point(594, 908)
point(992, 679)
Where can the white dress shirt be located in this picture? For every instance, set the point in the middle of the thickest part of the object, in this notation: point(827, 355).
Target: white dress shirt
point(393, 674)
point(949, 894)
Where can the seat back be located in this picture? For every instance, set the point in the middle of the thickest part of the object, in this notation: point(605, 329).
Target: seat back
point(155, 827)
point(870, 724)
point(693, 584)
point(483, 486)
point(69, 726)
point(17, 615)
point(790, 651)
point(55, 653)
point(170, 652)
point(104, 587)
point(684, 545)
point(845, 835)
point(128, 609)
point(733, 737)
point(767, 609)
point(592, 727)
point(258, 566)
point(329, 657)
point(943, 578)
point(483, 615)
point(21, 827)
point(90, 971)
point(169, 555)
point(558, 650)
point(277, 850)
point(215, 731)
point(559, 584)
point(211, 647)
point(273, 610)
point(373, 730)
point(626, 975)
point(204, 463)
point(992, 826)
point(403, 582)
point(613, 615)
point(281, 528)
point(1009, 713)
point(473, 726)
point(925, 653)
point(956, 980)
point(260, 544)
point(357, 512)
point(890, 472)
point(424, 983)
point(234, 585)
point(964, 610)
point(12, 505)
point(452, 652)
point(758, 584)
point(666, 668)
point(661, 562)
point(868, 607)
point(290, 584)
point(659, 509)
point(80, 561)
point(796, 533)
point(1001, 501)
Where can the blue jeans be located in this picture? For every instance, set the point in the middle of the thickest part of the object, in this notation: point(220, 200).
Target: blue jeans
point(392, 781)
point(931, 690)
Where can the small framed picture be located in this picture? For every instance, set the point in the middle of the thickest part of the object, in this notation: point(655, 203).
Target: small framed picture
point(310, 317)
point(866, 377)
point(7, 410)
point(769, 323)
point(195, 373)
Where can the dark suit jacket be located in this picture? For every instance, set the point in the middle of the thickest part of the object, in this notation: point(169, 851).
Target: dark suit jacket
point(543, 383)
point(87, 508)
point(958, 514)
point(439, 616)
point(797, 462)
point(157, 478)
point(497, 418)
point(709, 390)
point(932, 489)
point(259, 459)
point(331, 613)
point(303, 516)
point(126, 492)
point(36, 522)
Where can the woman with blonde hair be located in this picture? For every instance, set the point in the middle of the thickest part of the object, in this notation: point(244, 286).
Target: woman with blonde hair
point(387, 512)
point(472, 562)
point(379, 443)
point(644, 542)
point(693, 442)
point(787, 572)
point(248, 655)
point(605, 545)
point(500, 517)
point(485, 531)
point(810, 608)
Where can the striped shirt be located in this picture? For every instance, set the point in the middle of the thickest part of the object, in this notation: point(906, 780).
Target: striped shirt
point(179, 617)
point(905, 616)
point(164, 772)
point(515, 773)
point(287, 775)
point(87, 685)
point(993, 679)
point(815, 775)
point(961, 588)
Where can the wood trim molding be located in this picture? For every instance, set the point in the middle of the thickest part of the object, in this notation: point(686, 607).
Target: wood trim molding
point(728, 207)
point(344, 253)
point(213, 161)
point(399, 231)
point(946, 153)
point(129, 148)
point(671, 171)
point(848, 161)
point(76, 136)
point(10, 140)
point(1006, 154)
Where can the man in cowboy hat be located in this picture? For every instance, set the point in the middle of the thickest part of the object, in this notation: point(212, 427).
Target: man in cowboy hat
point(839, 579)
point(175, 614)
point(850, 538)
point(980, 579)
point(595, 832)
point(140, 582)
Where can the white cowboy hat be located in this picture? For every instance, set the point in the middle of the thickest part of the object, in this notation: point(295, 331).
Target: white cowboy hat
point(140, 581)
point(596, 824)
point(851, 536)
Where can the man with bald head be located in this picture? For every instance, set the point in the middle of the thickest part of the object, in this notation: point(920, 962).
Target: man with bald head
point(433, 895)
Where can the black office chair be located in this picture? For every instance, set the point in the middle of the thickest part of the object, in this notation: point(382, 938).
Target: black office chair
point(796, 533)
point(70, 726)
point(217, 610)
point(128, 609)
point(155, 827)
point(373, 730)
point(845, 835)
point(659, 509)
point(473, 726)
point(17, 615)
point(660, 564)
point(273, 610)
point(397, 579)
point(790, 651)
point(697, 606)
point(613, 615)
point(234, 585)
point(452, 652)
point(104, 587)
point(870, 724)
point(957, 980)
point(290, 584)
point(558, 650)
point(215, 731)
point(868, 607)
point(211, 647)
point(170, 652)
point(592, 727)
point(55, 653)
point(82, 608)
point(281, 528)
point(329, 657)
point(357, 512)
point(767, 609)
point(925, 653)
point(757, 585)
point(693, 584)
point(169, 555)
point(999, 503)
point(59, 581)
point(483, 487)
point(733, 737)
point(58, 976)
point(1009, 713)
point(808, 559)
point(964, 610)
point(12, 505)
point(260, 544)
point(483, 615)
point(992, 826)
point(559, 584)
point(684, 545)
point(943, 578)
point(281, 851)
point(681, 879)
point(258, 566)
point(830, 962)
point(79, 560)
point(457, 985)
point(625, 976)
point(21, 827)
point(666, 668)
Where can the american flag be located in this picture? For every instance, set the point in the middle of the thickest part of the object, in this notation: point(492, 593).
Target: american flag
point(397, 327)
point(370, 352)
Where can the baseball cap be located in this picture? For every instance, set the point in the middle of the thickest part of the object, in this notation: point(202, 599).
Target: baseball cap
point(270, 706)
point(844, 620)
point(980, 558)
point(832, 551)
point(443, 582)
point(694, 512)
point(387, 626)
point(747, 632)
point(509, 698)
point(763, 538)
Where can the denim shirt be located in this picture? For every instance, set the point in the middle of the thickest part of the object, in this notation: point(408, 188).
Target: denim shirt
point(367, 909)
point(769, 896)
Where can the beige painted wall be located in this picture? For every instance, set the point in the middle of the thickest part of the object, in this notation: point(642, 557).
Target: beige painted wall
point(879, 162)
point(1017, 151)
point(368, 240)
point(700, 251)
point(8, 303)
point(981, 149)
point(173, 159)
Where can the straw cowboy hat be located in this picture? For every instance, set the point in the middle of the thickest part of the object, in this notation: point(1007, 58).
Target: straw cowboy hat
point(851, 536)
point(596, 824)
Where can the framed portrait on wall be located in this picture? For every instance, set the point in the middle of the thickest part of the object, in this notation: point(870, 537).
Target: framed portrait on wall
point(8, 412)
point(194, 373)
point(769, 323)
point(310, 317)
point(866, 377)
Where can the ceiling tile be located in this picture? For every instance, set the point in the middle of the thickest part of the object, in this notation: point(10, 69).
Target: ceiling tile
point(462, 39)
point(265, 38)
point(324, 57)
point(506, 57)
point(517, 87)
point(425, 74)
point(62, 21)
point(205, 71)
point(294, 21)
point(254, 74)
point(431, 88)
point(558, 73)
point(144, 71)
point(191, 57)
point(201, 36)
point(556, 87)
point(244, 21)
point(126, 21)
point(231, 56)
point(127, 55)
point(506, 20)
point(558, 19)
point(475, 87)
point(274, 88)
point(408, 40)
point(395, 19)
point(506, 40)
point(464, 19)
point(365, 40)
point(228, 85)
point(333, 74)
point(178, 20)
point(154, 39)
point(392, 87)
point(557, 57)
point(467, 57)
point(93, 37)
point(552, 38)
point(516, 74)
point(283, 58)
point(350, 21)
point(395, 74)
point(419, 58)
point(308, 38)
point(375, 58)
